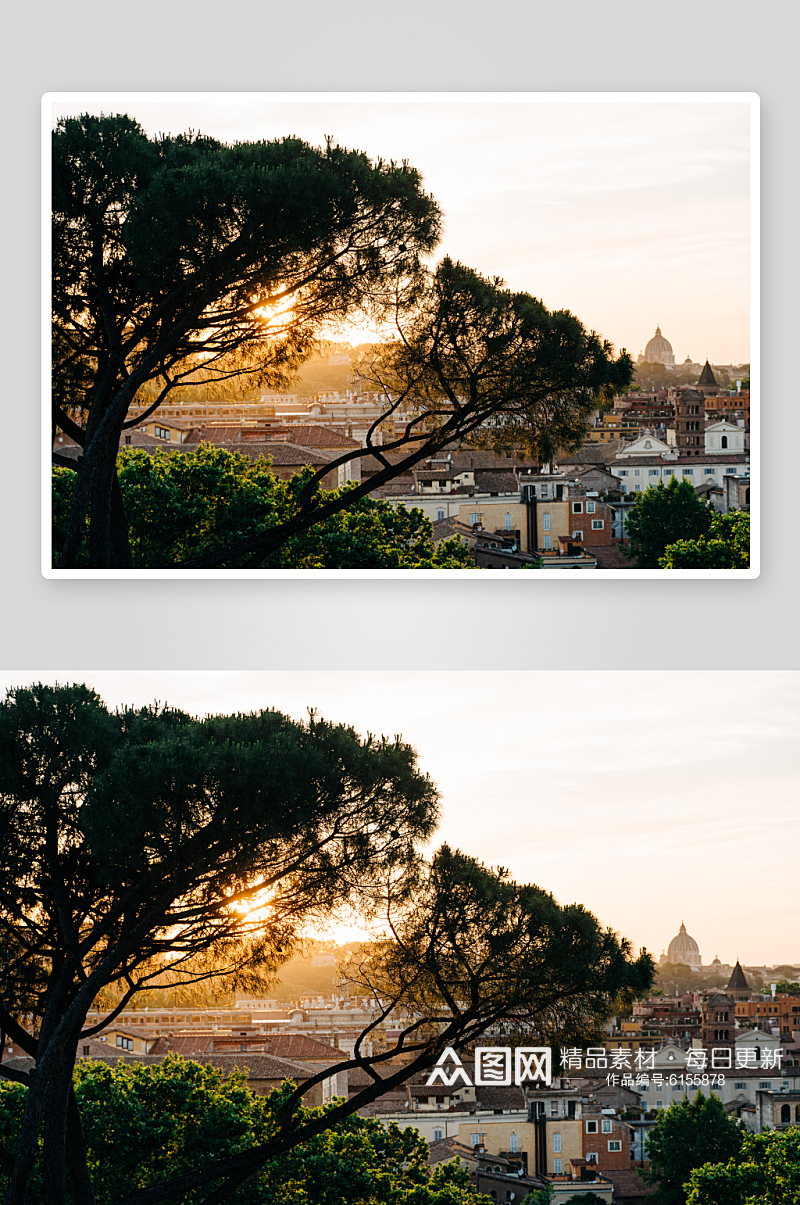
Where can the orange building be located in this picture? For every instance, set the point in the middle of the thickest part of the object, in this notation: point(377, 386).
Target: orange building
point(782, 1013)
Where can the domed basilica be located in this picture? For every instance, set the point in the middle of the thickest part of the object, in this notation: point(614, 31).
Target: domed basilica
point(683, 948)
point(658, 351)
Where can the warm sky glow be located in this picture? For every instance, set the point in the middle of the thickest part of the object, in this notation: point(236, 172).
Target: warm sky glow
point(651, 797)
point(627, 213)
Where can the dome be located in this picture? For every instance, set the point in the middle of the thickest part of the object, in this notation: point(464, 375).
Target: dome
point(659, 350)
point(685, 949)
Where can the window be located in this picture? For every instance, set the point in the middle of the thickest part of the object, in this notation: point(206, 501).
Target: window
point(440, 513)
point(724, 441)
point(615, 1145)
point(710, 469)
point(547, 543)
point(577, 508)
point(556, 1167)
point(606, 1126)
point(730, 470)
point(592, 1157)
point(507, 521)
point(591, 1127)
point(659, 1104)
point(577, 535)
point(623, 472)
point(688, 472)
point(591, 507)
point(598, 524)
point(765, 1083)
point(546, 520)
point(740, 1083)
point(669, 472)
point(557, 1143)
point(513, 1143)
point(637, 473)
point(652, 472)
point(475, 518)
point(438, 1134)
point(475, 1139)
point(637, 488)
point(162, 432)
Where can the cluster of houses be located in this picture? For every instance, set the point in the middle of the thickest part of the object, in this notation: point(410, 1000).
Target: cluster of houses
point(582, 1129)
point(512, 510)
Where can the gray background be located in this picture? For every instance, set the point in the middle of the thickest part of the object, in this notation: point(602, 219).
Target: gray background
point(438, 46)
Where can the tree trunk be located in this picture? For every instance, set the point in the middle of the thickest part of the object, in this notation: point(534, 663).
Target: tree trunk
point(80, 1184)
point(97, 495)
point(28, 1146)
point(120, 535)
point(76, 529)
point(54, 1134)
point(100, 512)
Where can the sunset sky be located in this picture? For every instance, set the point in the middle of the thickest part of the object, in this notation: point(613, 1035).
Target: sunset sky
point(628, 213)
point(651, 797)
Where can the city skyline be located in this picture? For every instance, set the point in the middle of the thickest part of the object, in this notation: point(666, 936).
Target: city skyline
point(631, 213)
point(648, 796)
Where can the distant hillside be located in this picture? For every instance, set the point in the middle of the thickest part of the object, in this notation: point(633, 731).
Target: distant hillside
point(320, 376)
point(300, 977)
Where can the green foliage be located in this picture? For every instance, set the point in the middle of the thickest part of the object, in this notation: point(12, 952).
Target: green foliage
point(183, 504)
point(586, 1198)
point(691, 1132)
point(662, 515)
point(765, 1171)
point(726, 545)
point(650, 374)
point(676, 977)
point(540, 1196)
point(144, 1124)
point(362, 1162)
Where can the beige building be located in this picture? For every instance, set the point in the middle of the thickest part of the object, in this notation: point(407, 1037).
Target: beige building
point(552, 523)
point(510, 1135)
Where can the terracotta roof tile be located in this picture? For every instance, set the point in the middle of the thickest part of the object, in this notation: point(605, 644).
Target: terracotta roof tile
point(310, 436)
point(495, 482)
point(498, 1097)
point(628, 1183)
